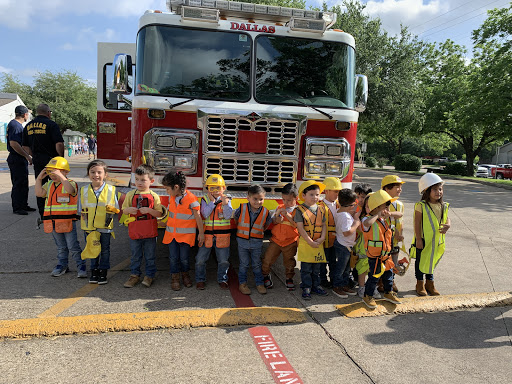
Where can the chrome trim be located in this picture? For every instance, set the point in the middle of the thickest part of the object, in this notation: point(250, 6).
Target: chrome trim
point(344, 159)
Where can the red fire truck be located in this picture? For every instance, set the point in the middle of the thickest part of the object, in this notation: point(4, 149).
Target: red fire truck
point(259, 94)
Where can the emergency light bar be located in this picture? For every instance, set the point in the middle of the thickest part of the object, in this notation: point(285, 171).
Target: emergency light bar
point(298, 19)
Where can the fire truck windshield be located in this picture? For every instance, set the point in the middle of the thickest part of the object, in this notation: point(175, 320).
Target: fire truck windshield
point(304, 71)
point(192, 63)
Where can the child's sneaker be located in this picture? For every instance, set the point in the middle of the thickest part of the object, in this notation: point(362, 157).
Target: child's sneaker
point(338, 291)
point(267, 281)
point(59, 270)
point(306, 293)
point(132, 281)
point(392, 298)
point(360, 292)
point(376, 294)
point(95, 275)
point(82, 271)
point(349, 291)
point(147, 281)
point(244, 288)
point(370, 302)
point(290, 285)
point(102, 278)
point(319, 291)
point(261, 289)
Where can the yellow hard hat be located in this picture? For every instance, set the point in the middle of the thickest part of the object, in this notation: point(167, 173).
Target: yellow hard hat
point(309, 183)
point(93, 247)
point(332, 184)
point(391, 179)
point(215, 180)
point(58, 163)
point(378, 198)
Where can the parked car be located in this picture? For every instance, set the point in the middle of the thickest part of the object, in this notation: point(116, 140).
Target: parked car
point(502, 172)
point(488, 167)
point(482, 172)
point(441, 160)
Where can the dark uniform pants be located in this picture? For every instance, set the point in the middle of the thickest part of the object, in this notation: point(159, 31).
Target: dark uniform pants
point(18, 167)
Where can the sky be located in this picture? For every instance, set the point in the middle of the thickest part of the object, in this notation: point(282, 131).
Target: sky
point(57, 35)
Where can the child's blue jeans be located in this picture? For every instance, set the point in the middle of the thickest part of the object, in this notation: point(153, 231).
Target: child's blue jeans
point(143, 248)
point(222, 258)
point(309, 274)
point(420, 275)
point(342, 265)
point(371, 283)
point(68, 242)
point(330, 256)
point(103, 260)
point(249, 251)
point(178, 256)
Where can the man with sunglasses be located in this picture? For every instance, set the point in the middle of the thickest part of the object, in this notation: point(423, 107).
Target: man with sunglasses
point(42, 140)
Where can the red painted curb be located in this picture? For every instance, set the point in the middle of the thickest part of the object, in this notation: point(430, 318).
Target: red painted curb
point(241, 300)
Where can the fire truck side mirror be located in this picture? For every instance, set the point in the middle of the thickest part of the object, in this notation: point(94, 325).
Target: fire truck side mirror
point(361, 93)
point(122, 70)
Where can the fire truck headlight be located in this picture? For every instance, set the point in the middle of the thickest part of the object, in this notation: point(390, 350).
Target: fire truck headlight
point(317, 149)
point(333, 168)
point(165, 141)
point(316, 168)
point(164, 161)
point(333, 150)
point(183, 162)
point(183, 142)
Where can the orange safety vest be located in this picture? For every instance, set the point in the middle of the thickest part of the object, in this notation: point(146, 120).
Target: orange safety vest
point(60, 208)
point(216, 225)
point(181, 224)
point(331, 225)
point(284, 233)
point(145, 226)
point(313, 223)
point(377, 239)
point(245, 229)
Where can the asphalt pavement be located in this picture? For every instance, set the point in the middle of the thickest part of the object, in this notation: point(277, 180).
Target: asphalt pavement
point(468, 345)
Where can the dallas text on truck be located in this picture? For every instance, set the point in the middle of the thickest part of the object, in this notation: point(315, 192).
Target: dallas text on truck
point(259, 94)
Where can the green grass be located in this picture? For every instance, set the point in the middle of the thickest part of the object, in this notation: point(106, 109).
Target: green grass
point(3, 147)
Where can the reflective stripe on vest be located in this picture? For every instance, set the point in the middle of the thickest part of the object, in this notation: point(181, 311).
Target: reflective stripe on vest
point(64, 210)
point(331, 225)
point(214, 224)
point(94, 213)
point(314, 230)
point(245, 229)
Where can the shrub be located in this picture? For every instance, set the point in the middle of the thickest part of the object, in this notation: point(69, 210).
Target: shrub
point(371, 162)
point(381, 162)
point(456, 169)
point(407, 163)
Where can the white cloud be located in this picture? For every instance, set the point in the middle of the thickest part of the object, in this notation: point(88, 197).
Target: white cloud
point(5, 70)
point(87, 38)
point(21, 14)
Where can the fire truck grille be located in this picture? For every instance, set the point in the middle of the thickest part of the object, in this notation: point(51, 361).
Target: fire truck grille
point(222, 134)
point(247, 171)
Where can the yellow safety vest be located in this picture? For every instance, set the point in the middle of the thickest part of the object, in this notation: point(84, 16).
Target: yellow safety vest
point(434, 245)
point(396, 206)
point(331, 225)
point(93, 210)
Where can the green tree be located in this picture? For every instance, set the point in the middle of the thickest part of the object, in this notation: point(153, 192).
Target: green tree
point(71, 99)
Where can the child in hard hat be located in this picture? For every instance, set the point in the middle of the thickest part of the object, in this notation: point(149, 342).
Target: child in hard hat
point(431, 222)
point(360, 260)
point(347, 222)
point(180, 234)
point(144, 207)
point(98, 205)
point(331, 206)
point(392, 184)
point(311, 224)
point(377, 238)
point(252, 219)
point(216, 211)
point(60, 213)
point(284, 238)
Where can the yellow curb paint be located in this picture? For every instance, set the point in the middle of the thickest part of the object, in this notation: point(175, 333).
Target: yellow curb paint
point(64, 304)
point(428, 304)
point(145, 321)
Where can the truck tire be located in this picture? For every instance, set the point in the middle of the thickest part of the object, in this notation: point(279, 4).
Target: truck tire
point(499, 176)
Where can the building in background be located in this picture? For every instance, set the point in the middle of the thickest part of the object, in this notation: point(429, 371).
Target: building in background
point(8, 102)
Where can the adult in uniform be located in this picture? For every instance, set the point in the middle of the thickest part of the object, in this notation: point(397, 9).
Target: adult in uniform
point(43, 141)
point(18, 161)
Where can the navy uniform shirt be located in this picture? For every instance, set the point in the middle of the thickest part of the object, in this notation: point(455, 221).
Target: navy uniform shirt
point(41, 135)
point(14, 133)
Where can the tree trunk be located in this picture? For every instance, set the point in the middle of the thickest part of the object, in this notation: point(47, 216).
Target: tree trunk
point(470, 157)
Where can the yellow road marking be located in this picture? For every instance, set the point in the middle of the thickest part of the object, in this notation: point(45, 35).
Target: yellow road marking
point(428, 304)
point(145, 321)
point(64, 304)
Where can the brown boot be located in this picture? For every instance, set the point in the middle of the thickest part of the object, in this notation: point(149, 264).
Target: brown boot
point(175, 282)
point(380, 286)
point(420, 288)
point(395, 288)
point(431, 289)
point(186, 279)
